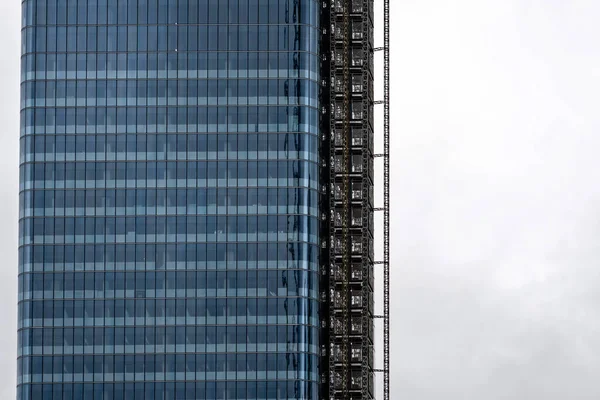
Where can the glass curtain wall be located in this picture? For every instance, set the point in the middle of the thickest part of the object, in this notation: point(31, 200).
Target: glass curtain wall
point(168, 200)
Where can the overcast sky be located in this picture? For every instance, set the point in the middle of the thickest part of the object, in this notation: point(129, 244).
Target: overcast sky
point(496, 199)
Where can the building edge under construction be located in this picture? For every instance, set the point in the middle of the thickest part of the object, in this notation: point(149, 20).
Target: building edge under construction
point(347, 202)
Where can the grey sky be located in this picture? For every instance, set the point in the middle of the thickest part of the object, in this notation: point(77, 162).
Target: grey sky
point(496, 199)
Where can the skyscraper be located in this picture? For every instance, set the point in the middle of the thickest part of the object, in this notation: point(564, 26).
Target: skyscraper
point(196, 200)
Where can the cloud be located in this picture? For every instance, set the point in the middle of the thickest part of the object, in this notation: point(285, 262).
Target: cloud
point(495, 216)
point(9, 175)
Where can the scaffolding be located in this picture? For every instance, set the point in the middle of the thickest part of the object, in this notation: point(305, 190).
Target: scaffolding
point(386, 199)
point(347, 201)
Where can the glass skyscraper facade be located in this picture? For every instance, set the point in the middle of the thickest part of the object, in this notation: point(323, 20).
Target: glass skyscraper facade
point(169, 219)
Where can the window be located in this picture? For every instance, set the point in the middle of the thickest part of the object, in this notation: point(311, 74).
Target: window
point(357, 163)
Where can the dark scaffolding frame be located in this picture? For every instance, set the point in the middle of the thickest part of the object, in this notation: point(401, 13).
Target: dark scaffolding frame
point(386, 200)
point(347, 201)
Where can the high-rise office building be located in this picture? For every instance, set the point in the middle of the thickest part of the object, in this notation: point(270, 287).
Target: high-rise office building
point(196, 200)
